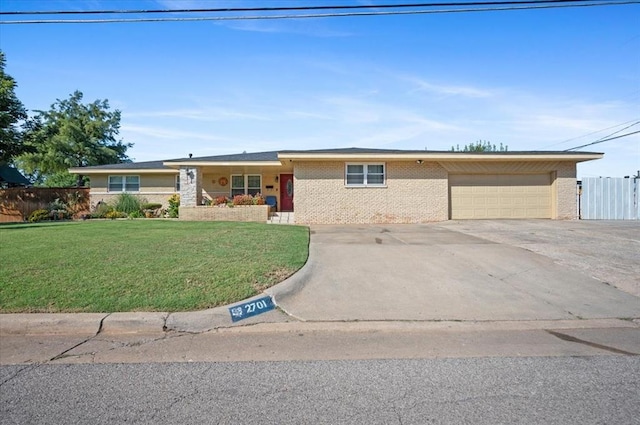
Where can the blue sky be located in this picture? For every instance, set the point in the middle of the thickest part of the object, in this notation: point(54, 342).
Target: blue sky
point(528, 79)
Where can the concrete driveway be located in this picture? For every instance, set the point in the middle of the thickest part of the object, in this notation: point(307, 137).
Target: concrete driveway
point(461, 271)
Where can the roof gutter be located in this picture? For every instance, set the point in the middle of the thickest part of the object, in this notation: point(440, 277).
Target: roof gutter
point(440, 157)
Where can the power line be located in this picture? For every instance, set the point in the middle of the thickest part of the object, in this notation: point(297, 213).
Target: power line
point(318, 15)
point(292, 8)
point(589, 134)
point(603, 140)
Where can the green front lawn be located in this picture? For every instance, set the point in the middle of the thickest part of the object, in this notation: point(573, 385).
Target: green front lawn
point(142, 265)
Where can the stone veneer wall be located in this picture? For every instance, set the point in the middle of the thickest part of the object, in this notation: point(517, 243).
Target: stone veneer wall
point(257, 213)
point(565, 191)
point(190, 186)
point(415, 193)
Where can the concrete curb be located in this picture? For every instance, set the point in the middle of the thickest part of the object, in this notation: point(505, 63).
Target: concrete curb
point(294, 283)
point(136, 322)
point(51, 323)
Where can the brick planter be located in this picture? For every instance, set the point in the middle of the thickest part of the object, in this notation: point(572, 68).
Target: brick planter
point(257, 213)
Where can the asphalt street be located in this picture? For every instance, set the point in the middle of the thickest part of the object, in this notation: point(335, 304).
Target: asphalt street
point(541, 390)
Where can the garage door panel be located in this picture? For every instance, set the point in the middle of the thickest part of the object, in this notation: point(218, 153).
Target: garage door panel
point(500, 196)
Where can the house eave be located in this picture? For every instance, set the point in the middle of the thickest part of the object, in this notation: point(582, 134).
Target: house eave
point(89, 171)
point(440, 157)
point(176, 165)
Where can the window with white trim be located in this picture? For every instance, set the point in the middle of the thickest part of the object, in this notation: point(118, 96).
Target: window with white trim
point(123, 184)
point(247, 184)
point(359, 175)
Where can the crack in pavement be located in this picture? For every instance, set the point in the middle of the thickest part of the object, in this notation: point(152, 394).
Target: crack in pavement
point(59, 356)
point(570, 338)
point(62, 355)
point(20, 372)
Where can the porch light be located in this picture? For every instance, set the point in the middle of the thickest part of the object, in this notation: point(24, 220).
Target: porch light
point(276, 179)
point(419, 161)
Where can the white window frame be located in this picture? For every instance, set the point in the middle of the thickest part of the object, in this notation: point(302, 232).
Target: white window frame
point(123, 185)
point(365, 174)
point(245, 188)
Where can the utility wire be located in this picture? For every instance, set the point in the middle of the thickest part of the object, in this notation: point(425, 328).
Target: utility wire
point(589, 134)
point(292, 8)
point(609, 135)
point(318, 15)
point(604, 140)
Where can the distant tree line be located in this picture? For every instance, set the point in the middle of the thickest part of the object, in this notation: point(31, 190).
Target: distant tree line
point(480, 146)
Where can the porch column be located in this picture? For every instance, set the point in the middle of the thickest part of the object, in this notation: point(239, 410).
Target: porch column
point(190, 186)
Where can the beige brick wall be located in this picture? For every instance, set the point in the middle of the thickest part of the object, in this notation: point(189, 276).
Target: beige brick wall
point(156, 188)
point(564, 191)
point(257, 213)
point(415, 193)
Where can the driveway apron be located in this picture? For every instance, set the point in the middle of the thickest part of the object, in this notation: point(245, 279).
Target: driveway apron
point(430, 272)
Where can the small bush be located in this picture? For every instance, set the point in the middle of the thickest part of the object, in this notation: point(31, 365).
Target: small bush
point(248, 200)
point(115, 214)
point(174, 206)
point(136, 214)
point(258, 200)
point(102, 210)
point(150, 206)
point(58, 205)
point(221, 200)
point(39, 215)
point(243, 200)
point(128, 203)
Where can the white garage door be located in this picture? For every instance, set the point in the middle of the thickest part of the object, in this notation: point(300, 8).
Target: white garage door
point(475, 196)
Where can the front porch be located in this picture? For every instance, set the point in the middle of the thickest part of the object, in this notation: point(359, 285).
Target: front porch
point(281, 218)
point(207, 180)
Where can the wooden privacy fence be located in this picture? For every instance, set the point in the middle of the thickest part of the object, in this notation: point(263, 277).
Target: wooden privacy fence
point(609, 198)
point(16, 204)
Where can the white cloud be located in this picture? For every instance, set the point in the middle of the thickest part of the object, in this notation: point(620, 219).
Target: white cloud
point(448, 90)
point(204, 114)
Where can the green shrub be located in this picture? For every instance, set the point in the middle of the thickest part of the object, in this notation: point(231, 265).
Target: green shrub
point(258, 200)
point(174, 206)
point(128, 203)
point(115, 214)
point(102, 210)
point(58, 205)
point(150, 206)
point(136, 214)
point(39, 215)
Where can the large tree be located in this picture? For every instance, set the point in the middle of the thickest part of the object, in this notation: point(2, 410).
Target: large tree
point(480, 146)
point(72, 134)
point(12, 112)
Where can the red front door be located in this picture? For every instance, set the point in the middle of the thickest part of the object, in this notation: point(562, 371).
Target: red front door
point(286, 192)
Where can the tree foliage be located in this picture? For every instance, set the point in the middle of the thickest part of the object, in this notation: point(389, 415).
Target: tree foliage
point(480, 146)
point(12, 112)
point(72, 134)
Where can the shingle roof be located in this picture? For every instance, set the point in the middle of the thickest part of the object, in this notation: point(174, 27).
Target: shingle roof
point(129, 166)
point(12, 176)
point(239, 157)
point(419, 151)
point(273, 156)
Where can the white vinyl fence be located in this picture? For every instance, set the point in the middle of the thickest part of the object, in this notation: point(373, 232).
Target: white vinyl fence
point(609, 198)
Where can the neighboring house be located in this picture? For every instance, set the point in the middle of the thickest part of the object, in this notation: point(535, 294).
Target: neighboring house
point(11, 177)
point(356, 185)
